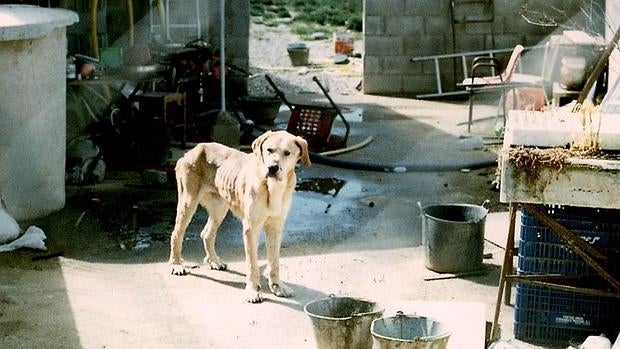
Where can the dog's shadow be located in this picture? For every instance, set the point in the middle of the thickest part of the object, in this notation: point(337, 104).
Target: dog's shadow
point(302, 296)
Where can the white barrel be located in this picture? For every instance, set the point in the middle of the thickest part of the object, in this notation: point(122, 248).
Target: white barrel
point(33, 49)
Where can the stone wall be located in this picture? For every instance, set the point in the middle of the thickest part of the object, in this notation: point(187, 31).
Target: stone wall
point(397, 30)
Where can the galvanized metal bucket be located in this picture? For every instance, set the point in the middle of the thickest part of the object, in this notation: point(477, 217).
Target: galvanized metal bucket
point(343, 322)
point(453, 236)
point(409, 332)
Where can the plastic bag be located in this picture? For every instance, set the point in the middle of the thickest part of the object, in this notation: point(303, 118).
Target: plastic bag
point(9, 229)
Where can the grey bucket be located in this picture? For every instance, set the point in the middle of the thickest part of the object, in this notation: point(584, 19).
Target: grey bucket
point(342, 322)
point(453, 237)
point(298, 52)
point(409, 332)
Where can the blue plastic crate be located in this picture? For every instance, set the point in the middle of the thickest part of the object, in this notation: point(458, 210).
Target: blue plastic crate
point(543, 252)
point(596, 238)
point(531, 265)
point(599, 227)
point(544, 315)
point(557, 258)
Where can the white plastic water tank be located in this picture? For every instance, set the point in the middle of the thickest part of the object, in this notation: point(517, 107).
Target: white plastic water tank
point(33, 49)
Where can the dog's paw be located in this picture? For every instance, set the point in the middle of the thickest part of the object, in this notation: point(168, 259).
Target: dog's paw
point(253, 294)
point(215, 264)
point(178, 269)
point(281, 290)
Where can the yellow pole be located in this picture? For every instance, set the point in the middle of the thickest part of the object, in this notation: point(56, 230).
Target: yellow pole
point(94, 41)
point(162, 19)
point(131, 21)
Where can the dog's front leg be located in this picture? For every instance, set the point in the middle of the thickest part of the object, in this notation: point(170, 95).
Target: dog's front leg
point(250, 242)
point(273, 241)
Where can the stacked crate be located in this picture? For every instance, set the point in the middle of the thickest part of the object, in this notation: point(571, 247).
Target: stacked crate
point(545, 315)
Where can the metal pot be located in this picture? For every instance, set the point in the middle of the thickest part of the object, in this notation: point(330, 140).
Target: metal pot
point(453, 236)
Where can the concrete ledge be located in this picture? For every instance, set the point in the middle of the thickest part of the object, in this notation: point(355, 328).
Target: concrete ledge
point(582, 182)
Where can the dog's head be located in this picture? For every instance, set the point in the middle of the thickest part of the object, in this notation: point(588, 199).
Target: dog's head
point(279, 152)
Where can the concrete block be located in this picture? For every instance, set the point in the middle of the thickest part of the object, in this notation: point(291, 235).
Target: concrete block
point(580, 182)
point(382, 84)
point(534, 39)
point(468, 43)
point(508, 7)
point(399, 65)
point(508, 40)
point(479, 28)
point(385, 8)
point(437, 25)
point(404, 26)
point(499, 24)
point(426, 7)
point(372, 64)
point(417, 67)
point(383, 45)
point(239, 47)
point(425, 45)
point(374, 25)
point(473, 11)
point(240, 8)
point(419, 84)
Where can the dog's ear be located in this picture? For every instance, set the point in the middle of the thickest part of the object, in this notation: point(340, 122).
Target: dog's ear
point(303, 146)
point(258, 143)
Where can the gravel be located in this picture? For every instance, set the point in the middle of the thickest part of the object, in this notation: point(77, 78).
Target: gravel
point(268, 55)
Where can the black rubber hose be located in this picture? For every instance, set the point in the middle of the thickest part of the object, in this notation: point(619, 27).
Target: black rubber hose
point(421, 167)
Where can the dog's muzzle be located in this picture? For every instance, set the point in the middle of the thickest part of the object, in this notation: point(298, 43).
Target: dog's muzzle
point(273, 170)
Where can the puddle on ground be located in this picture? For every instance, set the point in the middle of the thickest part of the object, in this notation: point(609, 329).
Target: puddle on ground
point(142, 224)
point(134, 227)
point(327, 186)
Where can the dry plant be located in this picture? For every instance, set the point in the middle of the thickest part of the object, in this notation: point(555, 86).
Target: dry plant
point(589, 142)
point(533, 159)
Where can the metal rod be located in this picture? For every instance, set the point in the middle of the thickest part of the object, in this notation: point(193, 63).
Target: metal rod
point(346, 123)
point(438, 75)
point(222, 55)
point(278, 92)
point(588, 291)
point(600, 65)
point(464, 63)
point(472, 53)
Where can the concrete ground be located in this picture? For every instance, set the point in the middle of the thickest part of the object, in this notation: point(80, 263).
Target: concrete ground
point(104, 281)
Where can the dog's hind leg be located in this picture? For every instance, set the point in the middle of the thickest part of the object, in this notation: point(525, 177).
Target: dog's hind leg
point(273, 241)
point(217, 210)
point(186, 207)
point(185, 211)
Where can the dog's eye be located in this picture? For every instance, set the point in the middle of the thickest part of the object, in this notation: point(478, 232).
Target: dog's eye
point(270, 150)
point(287, 153)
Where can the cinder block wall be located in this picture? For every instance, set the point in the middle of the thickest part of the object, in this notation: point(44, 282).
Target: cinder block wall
point(397, 30)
